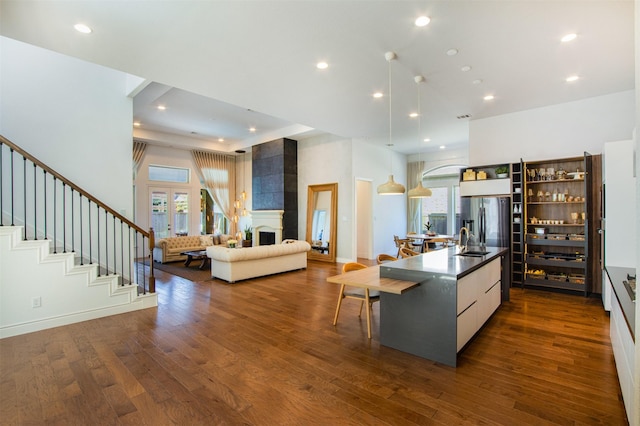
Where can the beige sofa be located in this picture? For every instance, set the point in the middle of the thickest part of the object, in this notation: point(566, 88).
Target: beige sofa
point(235, 264)
point(169, 249)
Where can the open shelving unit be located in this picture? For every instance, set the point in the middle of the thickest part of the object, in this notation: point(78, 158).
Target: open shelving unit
point(517, 218)
point(557, 202)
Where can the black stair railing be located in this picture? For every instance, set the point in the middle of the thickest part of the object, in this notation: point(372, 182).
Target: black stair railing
point(50, 207)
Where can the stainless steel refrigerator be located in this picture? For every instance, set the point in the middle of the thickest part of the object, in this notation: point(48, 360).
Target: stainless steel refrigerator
point(488, 219)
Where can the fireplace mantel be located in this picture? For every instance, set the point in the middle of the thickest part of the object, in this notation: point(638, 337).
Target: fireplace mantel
point(267, 221)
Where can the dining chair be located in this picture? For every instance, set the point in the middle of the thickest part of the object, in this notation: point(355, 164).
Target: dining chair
point(406, 252)
point(401, 242)
point(438, 243)
point(361, 294)
point(415, 244)
point(383, 257)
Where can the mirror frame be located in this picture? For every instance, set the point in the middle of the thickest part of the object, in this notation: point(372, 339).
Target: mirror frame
point(333, 234)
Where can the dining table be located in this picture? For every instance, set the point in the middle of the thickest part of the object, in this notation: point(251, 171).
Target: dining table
point(426, 238)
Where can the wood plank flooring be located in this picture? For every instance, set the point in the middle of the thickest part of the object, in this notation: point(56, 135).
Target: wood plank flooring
point(264, 352)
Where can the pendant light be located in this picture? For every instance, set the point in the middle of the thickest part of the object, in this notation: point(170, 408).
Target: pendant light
point(390, 187)
point(419, 191)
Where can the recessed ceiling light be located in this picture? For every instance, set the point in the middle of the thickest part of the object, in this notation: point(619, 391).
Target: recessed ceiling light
point(162, 107)
point(252, 129)
point(378, 95)
point(322, 65)
point(442, 146)
point(82, 28)
point(220, 139)
point(452, 52)
point(136, 123)
point(413, 115)
point(478, 81)
point(426, 140)
point(488, 98)
point(572, 78)
point(422, 21)
point(568, 37)
point(465, 68)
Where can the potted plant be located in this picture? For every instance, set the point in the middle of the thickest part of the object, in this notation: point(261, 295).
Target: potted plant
point(248, 235)
point(502, 171)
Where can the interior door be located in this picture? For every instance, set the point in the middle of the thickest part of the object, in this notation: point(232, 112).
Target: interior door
point(170, 211)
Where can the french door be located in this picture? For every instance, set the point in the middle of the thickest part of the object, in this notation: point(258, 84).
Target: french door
point(169, 209)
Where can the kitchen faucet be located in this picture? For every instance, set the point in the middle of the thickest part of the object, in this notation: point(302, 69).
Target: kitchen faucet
point(463, 248)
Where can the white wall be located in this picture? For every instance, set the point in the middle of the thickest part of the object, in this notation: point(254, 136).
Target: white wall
point(389, 211)
point(555, 131)
point(72, 115)
point(327, 159)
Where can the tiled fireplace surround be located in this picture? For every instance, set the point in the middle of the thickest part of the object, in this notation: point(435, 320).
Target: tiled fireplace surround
point(275, 189)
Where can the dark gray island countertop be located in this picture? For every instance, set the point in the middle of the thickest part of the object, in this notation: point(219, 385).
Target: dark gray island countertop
point(444, 262)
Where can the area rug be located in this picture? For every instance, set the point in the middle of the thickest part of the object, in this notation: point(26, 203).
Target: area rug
point(191, 272)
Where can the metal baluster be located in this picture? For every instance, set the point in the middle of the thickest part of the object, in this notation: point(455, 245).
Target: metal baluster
point(81, 251)
point(55, 214)
point(64, 217)
point(98, 228)
point(35, 205)
point(12, 186)
point(90, 234)
point(73, 228)
point(121, 256)
point(106, 243)
point(44, 181)
point(115, 257)
point(24, 194)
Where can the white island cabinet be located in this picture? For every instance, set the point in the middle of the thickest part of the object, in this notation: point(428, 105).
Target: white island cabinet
point(478, 296)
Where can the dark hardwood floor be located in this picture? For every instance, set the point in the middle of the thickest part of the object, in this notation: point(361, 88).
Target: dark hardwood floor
point(264, 352)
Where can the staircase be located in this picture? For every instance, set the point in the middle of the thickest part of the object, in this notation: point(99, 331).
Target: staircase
point(65, 257)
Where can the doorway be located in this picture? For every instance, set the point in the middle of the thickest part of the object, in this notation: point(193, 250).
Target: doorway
point(364, 221)
point(169, 209)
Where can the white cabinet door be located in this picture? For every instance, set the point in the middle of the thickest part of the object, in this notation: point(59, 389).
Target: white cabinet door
point(467, 325)
point(488, 302)
point(478, 296)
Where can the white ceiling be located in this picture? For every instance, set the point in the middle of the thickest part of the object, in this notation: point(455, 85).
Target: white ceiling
point(223, 66)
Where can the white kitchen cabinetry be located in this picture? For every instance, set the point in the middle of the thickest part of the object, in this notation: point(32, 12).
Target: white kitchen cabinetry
point(620, 204)
point(478, 296)
point(624, 352)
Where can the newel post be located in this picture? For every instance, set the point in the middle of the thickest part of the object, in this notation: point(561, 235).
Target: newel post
point(152, 278)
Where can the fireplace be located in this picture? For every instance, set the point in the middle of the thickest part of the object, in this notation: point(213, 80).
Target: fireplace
point(266, 238)
point(267, 222)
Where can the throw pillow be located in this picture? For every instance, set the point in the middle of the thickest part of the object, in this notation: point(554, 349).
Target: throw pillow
point(206, 240)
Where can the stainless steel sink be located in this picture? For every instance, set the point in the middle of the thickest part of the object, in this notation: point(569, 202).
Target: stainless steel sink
point(473, 253)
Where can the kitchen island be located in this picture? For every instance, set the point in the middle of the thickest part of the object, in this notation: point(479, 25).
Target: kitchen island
point(456, 296)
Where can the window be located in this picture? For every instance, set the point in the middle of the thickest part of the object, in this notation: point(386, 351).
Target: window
point(442, 210)
point(169, 174)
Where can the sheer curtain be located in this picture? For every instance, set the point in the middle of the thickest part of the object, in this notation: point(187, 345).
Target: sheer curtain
point(413, 209)
point(139, 148)
point(218, 172)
